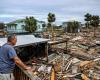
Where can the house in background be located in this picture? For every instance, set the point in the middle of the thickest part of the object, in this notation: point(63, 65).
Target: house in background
point(41, 26)
point(18, 26)
point(65, 25)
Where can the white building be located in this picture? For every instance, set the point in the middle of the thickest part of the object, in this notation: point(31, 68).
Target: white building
point(18, 26)
point(15, 26)
point(40, 26)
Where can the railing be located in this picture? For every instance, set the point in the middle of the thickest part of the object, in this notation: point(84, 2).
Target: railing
point(20, 75)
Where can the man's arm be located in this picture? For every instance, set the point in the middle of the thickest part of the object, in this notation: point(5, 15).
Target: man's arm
point(20, 63)
point(12, 55)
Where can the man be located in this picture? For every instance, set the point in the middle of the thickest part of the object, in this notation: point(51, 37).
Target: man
point(8, 59)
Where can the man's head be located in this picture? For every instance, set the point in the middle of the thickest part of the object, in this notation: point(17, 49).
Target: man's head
point(12, 39)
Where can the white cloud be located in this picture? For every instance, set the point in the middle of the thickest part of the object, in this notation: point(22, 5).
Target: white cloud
point(64, 9)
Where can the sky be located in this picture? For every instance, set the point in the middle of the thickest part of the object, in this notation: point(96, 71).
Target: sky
point(65, 10)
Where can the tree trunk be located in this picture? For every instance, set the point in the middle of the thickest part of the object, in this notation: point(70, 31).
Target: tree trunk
point(94, 31)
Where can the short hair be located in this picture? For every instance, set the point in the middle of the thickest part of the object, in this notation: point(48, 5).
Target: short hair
point(11, 37)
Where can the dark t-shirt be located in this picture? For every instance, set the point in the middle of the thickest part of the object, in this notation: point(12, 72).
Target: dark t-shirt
point(7, 64)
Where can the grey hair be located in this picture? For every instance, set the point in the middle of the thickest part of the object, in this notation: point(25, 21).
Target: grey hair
point(11, 37)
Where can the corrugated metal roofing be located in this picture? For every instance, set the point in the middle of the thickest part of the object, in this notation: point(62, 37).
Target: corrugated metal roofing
point(24, 40)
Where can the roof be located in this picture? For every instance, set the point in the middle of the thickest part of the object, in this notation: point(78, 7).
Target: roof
point(1, 43)
point(23, 40)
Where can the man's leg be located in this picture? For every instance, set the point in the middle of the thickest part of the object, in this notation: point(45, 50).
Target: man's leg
point(12, 76)
point(4, 77)
point(1, 77)
point(7, 76)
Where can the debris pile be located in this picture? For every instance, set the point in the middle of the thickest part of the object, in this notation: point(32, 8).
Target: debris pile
point(81, 62)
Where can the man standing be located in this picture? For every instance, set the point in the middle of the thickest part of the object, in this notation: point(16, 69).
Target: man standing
point(8, 59)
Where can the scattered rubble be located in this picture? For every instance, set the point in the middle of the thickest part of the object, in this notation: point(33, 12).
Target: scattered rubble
point(78, 58)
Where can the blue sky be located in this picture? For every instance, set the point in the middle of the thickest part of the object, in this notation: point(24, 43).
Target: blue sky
point(65, 10)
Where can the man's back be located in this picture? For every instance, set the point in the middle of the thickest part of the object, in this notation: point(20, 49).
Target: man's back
point(7, 52)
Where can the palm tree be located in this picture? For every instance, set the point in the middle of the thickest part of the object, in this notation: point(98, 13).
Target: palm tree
point(30, 24)
point(51, 18)
point(95, 22)
point(88, 20)
point(76, 26)
point(69, 27)
point(73, 26)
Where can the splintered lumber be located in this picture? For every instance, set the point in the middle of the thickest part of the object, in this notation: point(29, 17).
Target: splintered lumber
point(81, 55)
point(57, 42)
point(53, 74)
point(88, 68)
point(89, 63)
point(84, 77)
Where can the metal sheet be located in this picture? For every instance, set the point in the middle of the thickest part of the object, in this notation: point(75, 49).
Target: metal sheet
point(24, 40)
